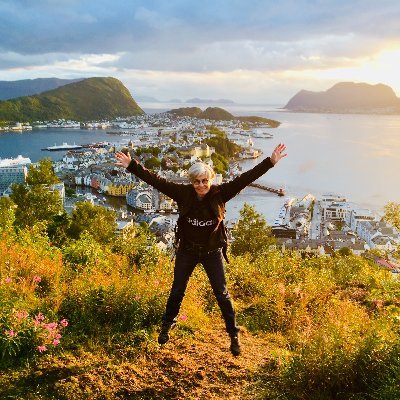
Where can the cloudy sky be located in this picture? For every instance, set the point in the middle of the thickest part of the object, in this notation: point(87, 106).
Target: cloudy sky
point(250, 51)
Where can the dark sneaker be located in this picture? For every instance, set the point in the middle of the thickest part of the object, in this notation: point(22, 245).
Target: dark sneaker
point(235, 345)
point(163, 337)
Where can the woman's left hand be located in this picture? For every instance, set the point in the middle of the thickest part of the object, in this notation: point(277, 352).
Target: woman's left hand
point(278, 153)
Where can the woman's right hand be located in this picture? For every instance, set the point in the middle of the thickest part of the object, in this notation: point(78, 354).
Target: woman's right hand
point(123, 160)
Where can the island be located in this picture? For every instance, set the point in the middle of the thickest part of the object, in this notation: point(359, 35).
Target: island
point(347, 98)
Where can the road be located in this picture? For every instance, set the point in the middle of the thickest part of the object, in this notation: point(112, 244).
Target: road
point(315, 225)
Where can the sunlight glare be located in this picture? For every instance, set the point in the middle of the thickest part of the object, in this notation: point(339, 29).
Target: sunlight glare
point(381, 68)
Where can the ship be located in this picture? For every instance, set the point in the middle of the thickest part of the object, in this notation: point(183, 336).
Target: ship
point(64, 146)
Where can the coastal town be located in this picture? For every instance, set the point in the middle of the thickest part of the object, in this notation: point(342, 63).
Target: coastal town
point(169, 144)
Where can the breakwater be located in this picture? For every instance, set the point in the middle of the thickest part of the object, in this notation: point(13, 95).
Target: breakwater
point(279, 192)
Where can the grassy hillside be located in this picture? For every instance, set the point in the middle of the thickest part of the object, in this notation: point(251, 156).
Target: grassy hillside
point(186, 112)
point(219, 114)
point(260, 120)
point(89, 99)
point(79, 320)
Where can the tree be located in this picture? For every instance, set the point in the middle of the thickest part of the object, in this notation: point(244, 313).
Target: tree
point(57, 229)
point(34, 204)
point(251, 233)
point(171, 149)
point(7, 214)
point(220, 163)
point(135, 245)
point(35, 201)
point(152, 163)
point(344, 251)
point(223, 146)
point(42, 173)
point(99, 222)
point(392, 214)
point(213, 130)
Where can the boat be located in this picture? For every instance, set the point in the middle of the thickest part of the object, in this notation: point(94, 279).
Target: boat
point(262, 135)
point(64, 146)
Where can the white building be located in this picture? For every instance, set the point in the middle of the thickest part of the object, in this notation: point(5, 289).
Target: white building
point(335, 211)
point(378, 234)
point(355, 216)
point(60, 189)
point(306, 201)
point(144, 201)
point(13, 170)
point(329, 198)
point(166, 205)
point(382, 242)
point(217, 179)
point(123, 227)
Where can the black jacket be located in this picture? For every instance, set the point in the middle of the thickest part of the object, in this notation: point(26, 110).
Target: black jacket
point(185, 194)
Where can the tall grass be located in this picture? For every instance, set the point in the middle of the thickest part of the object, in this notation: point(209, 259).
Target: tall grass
point(102, 293)
point(334, 322)
point(339, 318)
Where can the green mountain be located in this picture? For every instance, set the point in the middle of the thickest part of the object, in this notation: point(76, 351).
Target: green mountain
point(88, 99)
point(219, 114)
point(187, 112)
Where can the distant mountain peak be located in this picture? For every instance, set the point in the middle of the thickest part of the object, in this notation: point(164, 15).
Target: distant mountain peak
point(196, 100)
point(29, 87)
point(347, 97)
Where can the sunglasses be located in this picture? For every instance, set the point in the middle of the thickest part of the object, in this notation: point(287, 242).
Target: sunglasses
point(197, 182)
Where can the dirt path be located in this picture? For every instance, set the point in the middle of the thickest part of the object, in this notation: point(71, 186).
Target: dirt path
point(202, 367)
point(189, 368)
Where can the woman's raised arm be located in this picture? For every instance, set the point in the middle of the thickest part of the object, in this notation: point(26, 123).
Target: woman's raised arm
point(171, 189)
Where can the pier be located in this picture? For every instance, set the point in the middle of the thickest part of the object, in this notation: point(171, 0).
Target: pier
point(279, 192)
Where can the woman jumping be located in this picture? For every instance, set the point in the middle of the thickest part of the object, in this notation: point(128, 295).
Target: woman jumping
point(201, 235)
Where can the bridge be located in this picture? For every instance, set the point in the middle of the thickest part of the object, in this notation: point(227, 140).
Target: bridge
point(279, 192)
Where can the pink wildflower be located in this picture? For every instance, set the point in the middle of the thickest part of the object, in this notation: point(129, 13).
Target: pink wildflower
point(183, 317)
point(8, 280)
point(39, 317)
point(58, 336)
point(56, 342)
point(64, 323)
point(10, 333)
point(50, 326)
point(37, 279)
point(21, 315)
point(156, 281)
point(41, 349)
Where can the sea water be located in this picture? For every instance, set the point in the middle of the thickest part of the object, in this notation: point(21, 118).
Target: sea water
point(357, 156)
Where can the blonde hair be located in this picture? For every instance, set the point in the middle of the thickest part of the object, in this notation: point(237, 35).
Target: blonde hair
point(200, 168)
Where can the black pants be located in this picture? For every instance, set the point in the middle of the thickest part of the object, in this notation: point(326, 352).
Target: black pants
point(213, 263)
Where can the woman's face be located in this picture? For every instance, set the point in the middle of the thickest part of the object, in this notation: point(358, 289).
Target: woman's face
point(201, 185)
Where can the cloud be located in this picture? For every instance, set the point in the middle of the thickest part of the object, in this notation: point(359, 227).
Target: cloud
point(105, 26)
point(278, 43)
